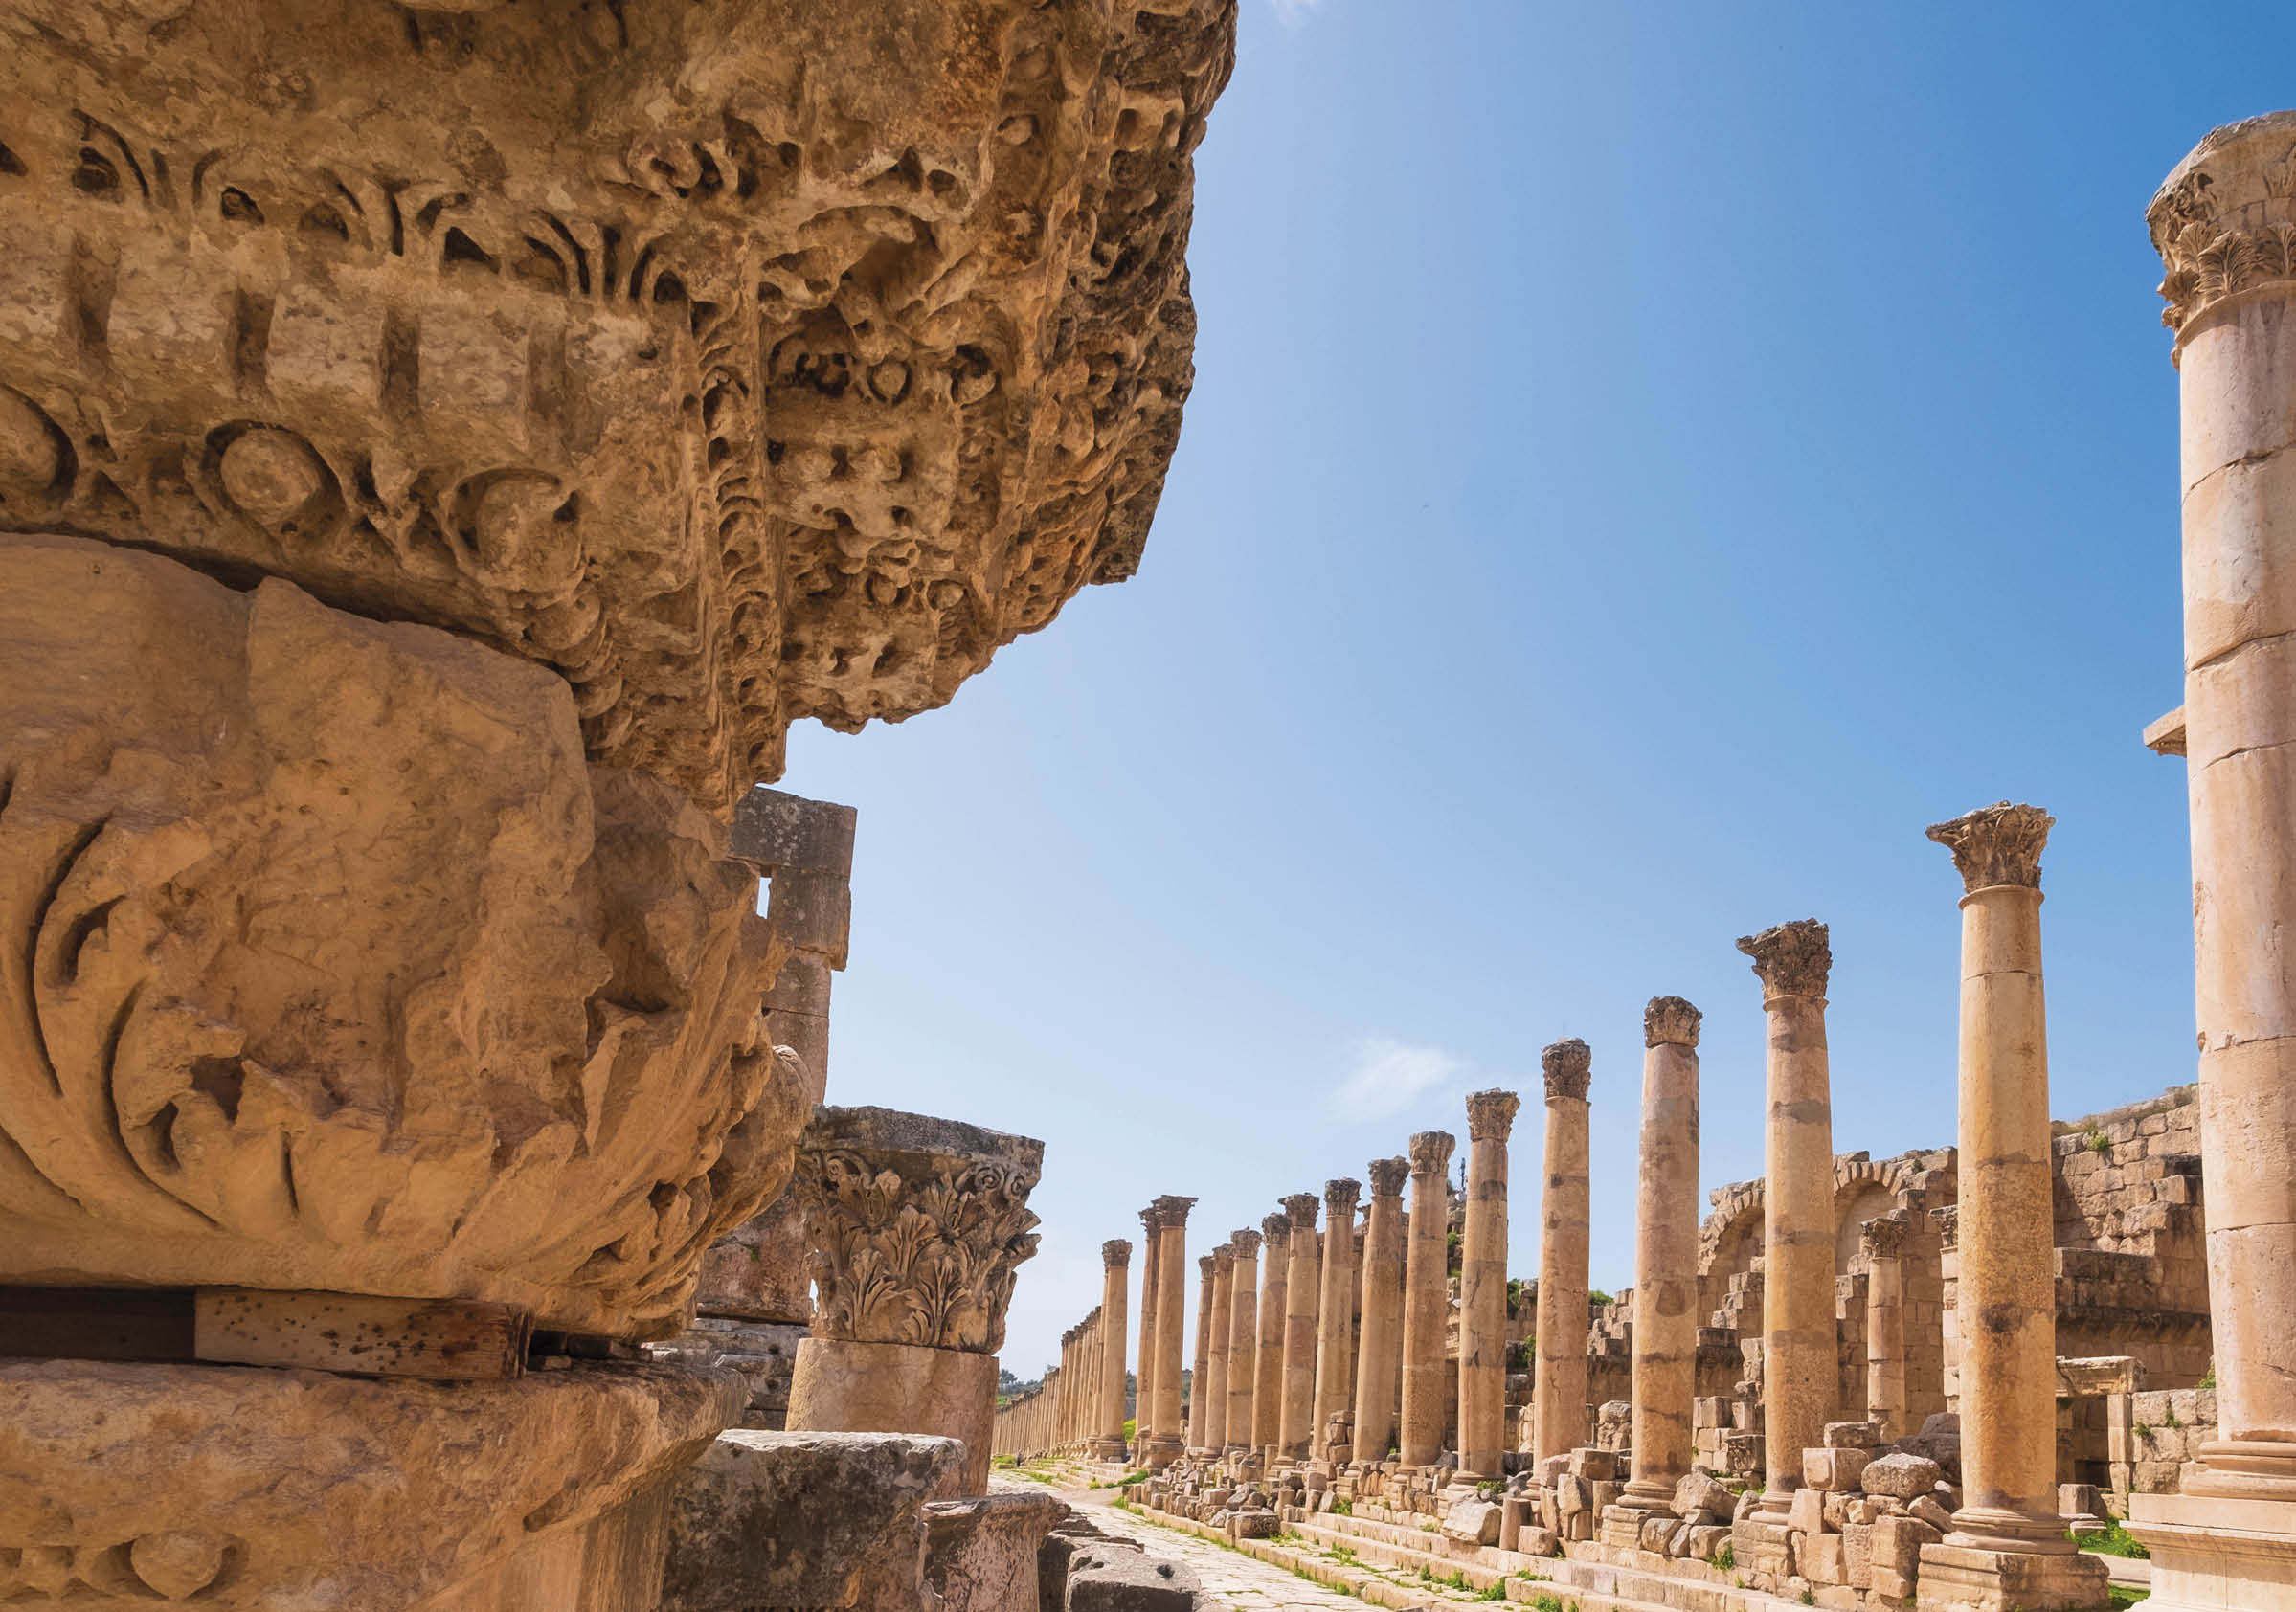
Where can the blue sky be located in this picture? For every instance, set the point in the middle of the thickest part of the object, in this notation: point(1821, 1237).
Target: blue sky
point(1647, 463)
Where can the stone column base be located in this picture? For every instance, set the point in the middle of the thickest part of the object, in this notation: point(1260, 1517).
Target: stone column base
point(1623, 1520)
point(1956, 1578)
point(840, 1386)
point(123, 1485)
point(1110, 1450)
point(1163, 1450)
point(2212, 1553)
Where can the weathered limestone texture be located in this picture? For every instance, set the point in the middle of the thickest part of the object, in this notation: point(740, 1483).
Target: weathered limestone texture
point(1116, 1262)
point(1143, 1410)
point(1171, 1322)
point(804, 1520)
point(1302, 1301)
point(1483, 1287)
point(1427, 1385)
point(1211, 1386)
point(917, 1226)
point(980, 1554)
point(1377, 1371)
point(1882, 1242)
point(2223, 222)
point(1335, 1380)
point(1798, 1363)
point(1559, 1391)
point(1666, 1260)
point(1200, 1376)
point(1268, 1393)
point(1243, 1342)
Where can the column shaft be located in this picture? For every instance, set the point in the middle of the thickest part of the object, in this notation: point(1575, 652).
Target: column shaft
point(1882, 1242)
point(1115, 1275)
point(1143, 1397)
point(1483, 1290)
point(1666, 1251)
point(1380, 1361)
point(1334, 1326)
point(1171, 1318)
point(1302, 1300)
point(1426, 1384)
point(1242, 1341)
point(1559, 1392)
point(1268, 1397)
point(1201, 1412)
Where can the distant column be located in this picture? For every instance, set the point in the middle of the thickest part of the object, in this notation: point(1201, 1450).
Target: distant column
point(1559, 1391)
point(1143, 1388)
point(1302, 1299)
point(1171, 1327)
point(1380, 1352)
point(1427, 1302)
point(1201, 1414)
point(1242, 1341)
point(1483, 1290)
point(1335, 1328)
point(1115, 1275)
point(1882, 1242)
point(1666, 1267)
point(1267, 1386)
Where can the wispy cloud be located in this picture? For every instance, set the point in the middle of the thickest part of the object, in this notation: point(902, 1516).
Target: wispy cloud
point(1293, 13)
point(1388, 1074)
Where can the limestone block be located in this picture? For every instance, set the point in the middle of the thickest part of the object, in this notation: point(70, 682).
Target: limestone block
point(1939, 1439)
point(1853, 1435)
point(1858, 1554)
point(1818, 1557)
point(1517, 1513)
point(1705, 1541)
point(1808, 1511)
point(1834, 1467)
point(981, 1553)
point(1927, 1508)
point(1596, 1466)
point(237, 1488)
point(338, 969)
point(1540, 1542)
point(1699, 1495)
point(1129, 1581)
point(1900, 1475)
point(1571, 1495)
point(1896, 1543)
point(1658, 1531)
point(1472, 1522)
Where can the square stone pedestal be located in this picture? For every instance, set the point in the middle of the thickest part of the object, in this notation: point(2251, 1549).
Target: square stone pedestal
point(2212, 1554)
point(231, 1488)
point(1954, 1578)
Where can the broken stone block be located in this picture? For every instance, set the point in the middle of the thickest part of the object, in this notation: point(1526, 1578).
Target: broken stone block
point(981, 1553)
point(1128, 1582)
point(1834, 1467)
point(1705, 1541)
point(1858, 1554)
point(1472, 1522)
point(1852, 1435)
point(1596, 1466)
point(1940, 1440)
point(1658, 1531)
point(1901, 1475)
point(1818, 1557)
point(1571, 1496)
point(1808, 1511)
point(1699, 1496)
point(1927, 1508)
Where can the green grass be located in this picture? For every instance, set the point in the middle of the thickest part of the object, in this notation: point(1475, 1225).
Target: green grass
point(1342, 1506)
point(2100, 1144)
point(1809, 1597)
point(1726, 1558)
point(2120, 1596)
point(2113, 1541)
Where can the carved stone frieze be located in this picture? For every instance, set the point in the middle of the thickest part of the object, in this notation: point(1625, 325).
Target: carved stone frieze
point(327, 962)
point(915, 1225)
point(1791, 959)
point(740, 361)
point(1998, 844)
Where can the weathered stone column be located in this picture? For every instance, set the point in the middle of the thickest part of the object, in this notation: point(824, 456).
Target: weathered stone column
point(1798, 1352)
point(1335, 1316)
point(1427, 1386)
point(1303, 1298)
point(1143, 1398)
point(2222, 223)
point(1483, 1289)
point(1224, 1299)
point(1199, 1409)
point(1882, 1242)
point(1115, 1261)
point(1243, 1342)
point(2008, 1544)
point(1559, 1391)
point(1666, 1268)
point(916, 1226)
point(1268, 1372)
point(1378, 1370)
point(1171, 1325)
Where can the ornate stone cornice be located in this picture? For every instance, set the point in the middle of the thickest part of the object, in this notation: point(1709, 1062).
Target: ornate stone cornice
point(1998, 844)
point(1882, 1237)
point(1491, 1115)
point(1246, 1243)
point(1302, 1207)
point(1568, 1067)
point(2224, 221)
point(1115, 1254)
point(1340, 1198)
point(1670, 1022)
point(915, 1226)
point(1790, 959)
point(1276, 1228)
point(1430, 1152)
point(1387, 1177)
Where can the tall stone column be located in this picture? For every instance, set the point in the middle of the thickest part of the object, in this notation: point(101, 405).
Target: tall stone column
point(1243, 1342)
point(916, 1226)
point(1666, 1268)
point(1302, 1301)
point(2008, 1544)
point(1483, 1289)
point(1143, 1397)
point(1268, 1372)
point(1427, 1386)
point(1882, 1243)
point(1171, 1328)
point(1200, 1412)
point(1559, 1391)
point(1116, 1276)
point(1792, 961)
point(1224, 1299)
point(1335, 1324)
point(2222, 222)
point(1381, 1361)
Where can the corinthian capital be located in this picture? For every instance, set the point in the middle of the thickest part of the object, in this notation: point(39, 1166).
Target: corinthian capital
point(1791, 959)
point(1387, 1177)
point(1430, 1152)
point(1115, 1254)
point(1246, 1243)
point(1670, 1022)
point(1882, 1237)
point(1568, 1067)
point(1340, 1200)
point(1998, 844)
point(1173, 1212)
point(1491, 1115)
point(1302, 1207)
point(1276, 1228)
point(1223, 1256)
point(2224, 221)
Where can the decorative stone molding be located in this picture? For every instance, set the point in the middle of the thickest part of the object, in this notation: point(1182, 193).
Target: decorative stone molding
point(1998, 844)
point(916, 1226)
point(1790, 959)
point(1882, 1237)
point(1243, 1244)
point(1388, 1175)
point(2224, 221)
point(1568, 1067)
point(1491, 1115)
point(1430, 1152)
point(1115, 1254)
point(1276, 1229)
point(1301, 1209)
point(1340, 1199)
point(733, 366)
point(1671, 1021)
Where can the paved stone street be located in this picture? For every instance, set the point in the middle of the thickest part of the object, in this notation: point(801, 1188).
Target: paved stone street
point(1234, 1578)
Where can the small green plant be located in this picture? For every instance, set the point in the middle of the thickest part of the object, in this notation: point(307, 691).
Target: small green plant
point(1809, 1597)
point(2112, 1540)
point(1548, 1602)
point(1497, 1590)
point(2100, 1144)
point(1726, 1558)
point(1131, 1478)
point(1595, 1295)
point(2210, 1380)
point(2120, 1597)
point(1342, 1506)
point(1457, 1580)
point(2168, 1418)
point(1488, 1489)
point(1132, 1428)
point(2142, 1429)
point(1518, 1356)
point(1004, 1461)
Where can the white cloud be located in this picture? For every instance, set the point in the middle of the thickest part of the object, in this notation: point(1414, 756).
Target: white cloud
point(1292, 14)
point(1387, 1074)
